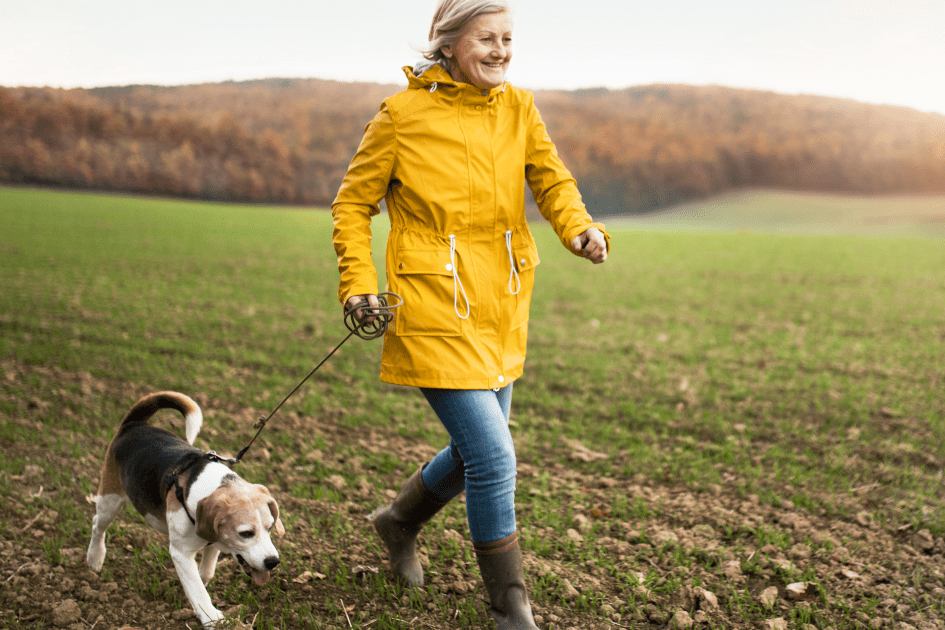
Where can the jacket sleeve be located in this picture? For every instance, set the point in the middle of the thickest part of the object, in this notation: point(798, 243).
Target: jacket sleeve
point(552, 185)
point(364, 185)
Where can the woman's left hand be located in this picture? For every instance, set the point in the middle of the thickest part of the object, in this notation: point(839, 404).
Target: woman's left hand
point(591, 245)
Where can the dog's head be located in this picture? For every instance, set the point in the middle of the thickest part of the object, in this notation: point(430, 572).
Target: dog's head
point(240, 517)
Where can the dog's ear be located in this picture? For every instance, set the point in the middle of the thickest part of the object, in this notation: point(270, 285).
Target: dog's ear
point(277, 527)
point(208, 516)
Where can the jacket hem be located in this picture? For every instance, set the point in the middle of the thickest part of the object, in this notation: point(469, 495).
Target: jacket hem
point(437, 382)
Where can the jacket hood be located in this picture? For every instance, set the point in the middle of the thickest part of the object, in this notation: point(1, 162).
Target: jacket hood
point(438, 74)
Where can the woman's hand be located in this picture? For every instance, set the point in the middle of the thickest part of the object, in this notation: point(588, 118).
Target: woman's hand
point(591, 245)
point(356, 300)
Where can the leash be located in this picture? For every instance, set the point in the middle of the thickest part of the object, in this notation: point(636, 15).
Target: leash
point(383, 314)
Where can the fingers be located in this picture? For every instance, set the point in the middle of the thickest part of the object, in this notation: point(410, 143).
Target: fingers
point(591, 245)
point(577, 244)
point(357, 302)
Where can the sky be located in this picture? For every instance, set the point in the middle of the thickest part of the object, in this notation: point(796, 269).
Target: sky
point(876, 51)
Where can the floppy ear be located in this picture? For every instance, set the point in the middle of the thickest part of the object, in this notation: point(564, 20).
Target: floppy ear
point(277, 527)
point(208, 516)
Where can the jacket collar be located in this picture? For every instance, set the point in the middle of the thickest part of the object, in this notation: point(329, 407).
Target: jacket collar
point(438, 75)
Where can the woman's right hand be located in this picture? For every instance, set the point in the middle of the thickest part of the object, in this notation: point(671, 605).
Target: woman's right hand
point(357, 301)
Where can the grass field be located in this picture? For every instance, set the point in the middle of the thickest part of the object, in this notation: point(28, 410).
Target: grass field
point(779, 212)
point(708, 416)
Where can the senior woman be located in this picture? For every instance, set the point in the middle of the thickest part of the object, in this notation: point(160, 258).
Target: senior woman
point(449, 155)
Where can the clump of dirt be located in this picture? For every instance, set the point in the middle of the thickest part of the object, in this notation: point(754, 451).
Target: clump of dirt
point(713, 559)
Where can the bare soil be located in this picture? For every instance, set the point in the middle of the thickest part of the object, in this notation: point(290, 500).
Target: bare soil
point(866, 574)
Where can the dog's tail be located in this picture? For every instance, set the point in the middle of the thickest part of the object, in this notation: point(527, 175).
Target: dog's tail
point(152, 403)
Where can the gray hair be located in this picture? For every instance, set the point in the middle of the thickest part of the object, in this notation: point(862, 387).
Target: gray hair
point(449, 22)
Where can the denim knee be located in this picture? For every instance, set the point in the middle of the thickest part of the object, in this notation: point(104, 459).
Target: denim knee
point(481, 450)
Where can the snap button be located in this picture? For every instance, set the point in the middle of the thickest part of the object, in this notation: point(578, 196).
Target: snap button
point(485, 92)
point(479, 107)
point(522, 261)
point(400, 266)
point(501, 379)
point(449, 266)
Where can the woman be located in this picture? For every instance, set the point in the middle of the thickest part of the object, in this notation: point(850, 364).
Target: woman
point(449, 155)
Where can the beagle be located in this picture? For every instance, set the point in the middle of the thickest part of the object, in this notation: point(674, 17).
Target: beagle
point(189, 495)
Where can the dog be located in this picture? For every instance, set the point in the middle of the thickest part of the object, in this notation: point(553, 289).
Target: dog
point(190, 496)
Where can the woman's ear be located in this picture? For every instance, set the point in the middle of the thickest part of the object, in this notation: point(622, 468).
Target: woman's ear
point(446, 52)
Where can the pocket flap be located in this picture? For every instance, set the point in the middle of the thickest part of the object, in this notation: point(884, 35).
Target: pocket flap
point(420, 261)
point(525, 258)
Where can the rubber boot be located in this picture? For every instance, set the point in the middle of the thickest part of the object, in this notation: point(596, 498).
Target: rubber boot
point(399, 523)
point(500, 563)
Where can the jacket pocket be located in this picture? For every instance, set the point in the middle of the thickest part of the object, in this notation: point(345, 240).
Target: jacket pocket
point(526, 259)
point(424, 278)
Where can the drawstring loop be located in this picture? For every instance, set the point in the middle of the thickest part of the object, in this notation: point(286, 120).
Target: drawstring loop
point(514, 273)
point(433, 87)
point(457, 283)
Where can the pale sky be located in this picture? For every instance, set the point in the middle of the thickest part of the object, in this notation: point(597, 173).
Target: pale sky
point(877, 51)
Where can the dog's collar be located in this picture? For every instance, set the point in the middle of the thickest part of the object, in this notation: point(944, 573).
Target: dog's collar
point(173, 480)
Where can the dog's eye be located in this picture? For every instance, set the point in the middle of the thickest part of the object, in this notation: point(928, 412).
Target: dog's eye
point(247, 534)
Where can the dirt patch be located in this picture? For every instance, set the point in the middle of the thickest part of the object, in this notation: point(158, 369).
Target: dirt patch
point(676, 558)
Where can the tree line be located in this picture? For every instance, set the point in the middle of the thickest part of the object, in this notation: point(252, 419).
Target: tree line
point(289, 141)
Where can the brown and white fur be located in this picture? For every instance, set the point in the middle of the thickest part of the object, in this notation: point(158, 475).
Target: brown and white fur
point(230, 514)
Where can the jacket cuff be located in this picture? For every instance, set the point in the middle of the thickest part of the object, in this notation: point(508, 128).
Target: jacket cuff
point(364, 287)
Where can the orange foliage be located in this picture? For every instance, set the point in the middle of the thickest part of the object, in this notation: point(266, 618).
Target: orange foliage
point(290, 141)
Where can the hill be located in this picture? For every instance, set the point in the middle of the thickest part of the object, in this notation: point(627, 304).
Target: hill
point(289, 141)
point(780, 212)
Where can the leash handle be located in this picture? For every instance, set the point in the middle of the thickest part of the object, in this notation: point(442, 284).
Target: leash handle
point(383, 315)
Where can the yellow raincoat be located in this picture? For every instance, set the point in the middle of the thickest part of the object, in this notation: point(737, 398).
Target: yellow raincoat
point(450, 160)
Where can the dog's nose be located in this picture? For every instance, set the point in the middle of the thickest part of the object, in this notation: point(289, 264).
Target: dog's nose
point(271, 562)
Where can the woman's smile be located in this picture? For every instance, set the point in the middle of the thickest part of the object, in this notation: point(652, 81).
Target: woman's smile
point(482, 54)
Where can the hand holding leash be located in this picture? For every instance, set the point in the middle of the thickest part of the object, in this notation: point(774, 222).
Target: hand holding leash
point(367, 316)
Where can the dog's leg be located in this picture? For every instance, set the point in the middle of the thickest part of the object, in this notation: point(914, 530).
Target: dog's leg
point(208, 563)
point(187, 571)
point(106, 509)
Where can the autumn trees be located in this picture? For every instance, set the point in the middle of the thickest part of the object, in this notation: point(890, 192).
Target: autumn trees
point(290, 141)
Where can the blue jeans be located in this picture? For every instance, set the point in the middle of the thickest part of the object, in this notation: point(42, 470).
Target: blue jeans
point(480, 458)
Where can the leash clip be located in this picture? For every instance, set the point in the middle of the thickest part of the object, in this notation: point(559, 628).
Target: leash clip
point(229, 461)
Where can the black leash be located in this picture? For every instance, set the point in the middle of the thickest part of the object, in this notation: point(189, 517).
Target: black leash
point(383, 314)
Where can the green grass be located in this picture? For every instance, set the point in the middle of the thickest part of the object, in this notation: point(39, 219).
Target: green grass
point(773, 211)
point(783, 367)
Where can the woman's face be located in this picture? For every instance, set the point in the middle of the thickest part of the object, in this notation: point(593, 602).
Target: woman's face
point(481, 55)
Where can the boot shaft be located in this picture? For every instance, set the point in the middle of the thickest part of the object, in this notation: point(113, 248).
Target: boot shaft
point(500, 563)
point(399, 523)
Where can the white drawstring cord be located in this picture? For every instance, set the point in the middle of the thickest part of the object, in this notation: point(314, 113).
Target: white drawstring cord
point(433, 88)
point(456, 281)
point(514, 273)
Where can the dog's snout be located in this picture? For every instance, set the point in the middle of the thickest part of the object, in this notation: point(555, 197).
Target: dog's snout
point(271, 562)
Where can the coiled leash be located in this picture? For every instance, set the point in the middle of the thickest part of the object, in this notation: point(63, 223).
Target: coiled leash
point(383, 314)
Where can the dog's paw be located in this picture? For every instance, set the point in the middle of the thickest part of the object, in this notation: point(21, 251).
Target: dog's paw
point(210, 617)
point(95, 558)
